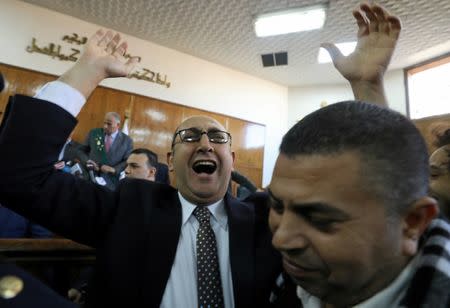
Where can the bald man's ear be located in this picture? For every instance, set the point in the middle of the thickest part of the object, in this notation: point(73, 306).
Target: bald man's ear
point(416, 221)
point(170, 160)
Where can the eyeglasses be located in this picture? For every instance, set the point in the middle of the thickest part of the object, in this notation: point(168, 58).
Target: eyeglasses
point(190, 135)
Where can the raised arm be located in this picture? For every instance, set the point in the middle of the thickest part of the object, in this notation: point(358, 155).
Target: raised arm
point(378, 33)
point(102, 58)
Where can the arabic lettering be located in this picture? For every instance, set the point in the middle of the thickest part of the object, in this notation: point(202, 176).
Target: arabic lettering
point(74, 39)
point(128, 56)
point(53, 51)
point(149, 75)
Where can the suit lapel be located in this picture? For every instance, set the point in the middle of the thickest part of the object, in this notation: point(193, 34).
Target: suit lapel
point(241, 220)
point(163, 235)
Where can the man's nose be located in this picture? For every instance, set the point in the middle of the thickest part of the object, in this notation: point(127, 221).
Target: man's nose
point(204, 144)
point(289, 235)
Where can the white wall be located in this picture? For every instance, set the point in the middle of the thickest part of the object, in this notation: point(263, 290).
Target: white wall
point(194, 82)
point(304, 100)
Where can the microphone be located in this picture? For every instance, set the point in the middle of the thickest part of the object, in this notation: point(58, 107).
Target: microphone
point(92, 176)
point(90, 168)
point(76, 170)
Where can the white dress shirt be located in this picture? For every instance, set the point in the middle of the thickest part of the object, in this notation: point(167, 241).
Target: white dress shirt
point(388, 297)
point(181, 288)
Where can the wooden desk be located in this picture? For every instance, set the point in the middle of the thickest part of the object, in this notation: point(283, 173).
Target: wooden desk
point(46, 250)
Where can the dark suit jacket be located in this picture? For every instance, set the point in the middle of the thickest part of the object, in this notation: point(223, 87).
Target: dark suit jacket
point(12, 225)
point(117, 154)
point(135, 229)
point(116, 157)
point(162, 174)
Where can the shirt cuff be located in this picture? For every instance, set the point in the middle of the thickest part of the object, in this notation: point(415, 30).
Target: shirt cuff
point(63, 95)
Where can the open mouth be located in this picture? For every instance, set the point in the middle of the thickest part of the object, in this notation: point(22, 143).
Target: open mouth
point(204, 166)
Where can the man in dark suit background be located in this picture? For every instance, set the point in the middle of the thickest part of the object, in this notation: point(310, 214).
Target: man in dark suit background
point(108, 149)
point(162, 173)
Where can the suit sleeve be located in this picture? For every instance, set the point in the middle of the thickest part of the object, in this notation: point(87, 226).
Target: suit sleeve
point(33, 132)
point(37, 231)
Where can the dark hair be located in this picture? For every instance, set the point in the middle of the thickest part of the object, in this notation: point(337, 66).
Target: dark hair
point(152, 157)
point(443, 139)
point(393, 154)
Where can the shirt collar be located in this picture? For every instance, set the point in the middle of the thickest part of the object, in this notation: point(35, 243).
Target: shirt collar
point(113, 135)
point(217, 210)
point(388, 297)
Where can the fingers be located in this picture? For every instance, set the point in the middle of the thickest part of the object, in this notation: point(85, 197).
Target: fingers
point(111, 46)
point(334, 52)
point(95, 39)
point(110, 42)
point(381, 14)
point(105, 39)
point(374, 18)
point(395, 26)
point(363, 23)
point(121, 49)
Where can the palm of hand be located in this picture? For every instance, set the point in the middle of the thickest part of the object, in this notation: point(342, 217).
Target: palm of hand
point(370, 58)
point(104, 54)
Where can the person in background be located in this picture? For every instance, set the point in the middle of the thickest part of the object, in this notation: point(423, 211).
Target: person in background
point(440, 172)
point(108, 149)
point(245, 186)
point(141, 164)
point(162, 173)
point(70, 158)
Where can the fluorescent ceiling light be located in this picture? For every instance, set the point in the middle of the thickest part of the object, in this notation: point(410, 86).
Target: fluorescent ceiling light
point(345, 48)
point(293, 20)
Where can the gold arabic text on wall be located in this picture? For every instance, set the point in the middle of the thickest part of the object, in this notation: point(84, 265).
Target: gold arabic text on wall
point(54, 51)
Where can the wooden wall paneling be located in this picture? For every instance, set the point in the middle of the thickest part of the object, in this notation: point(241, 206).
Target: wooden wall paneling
point(248, 144)
point(153, 123)
point(20, 81)
point(189, 112)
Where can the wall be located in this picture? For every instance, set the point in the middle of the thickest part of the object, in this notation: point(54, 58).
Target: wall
point(194, 82)
point(304, 100)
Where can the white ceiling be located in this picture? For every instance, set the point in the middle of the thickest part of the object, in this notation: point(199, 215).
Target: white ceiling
point(221, 31)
